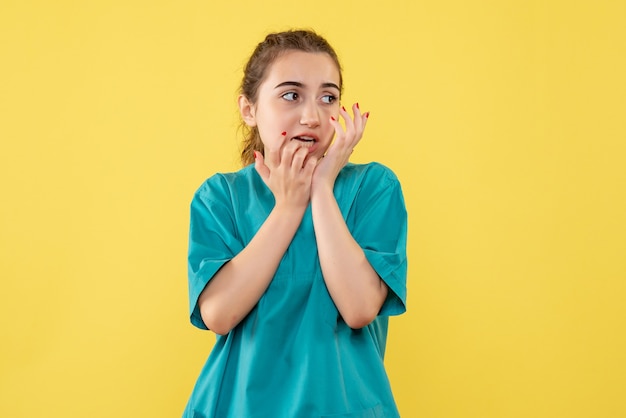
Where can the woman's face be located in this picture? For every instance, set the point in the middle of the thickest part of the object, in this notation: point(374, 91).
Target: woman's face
point(299, 95)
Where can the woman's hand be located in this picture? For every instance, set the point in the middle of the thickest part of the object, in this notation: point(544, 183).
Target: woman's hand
point(238, 286)
point(354, 286)
point(339, 152)
point(287, 171)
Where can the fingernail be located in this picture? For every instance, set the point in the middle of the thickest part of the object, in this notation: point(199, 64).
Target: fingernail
point(357, 106)
point(255, 156)
point(284, 133)
point(343, 108)
point(367, 115)
point(332, 118)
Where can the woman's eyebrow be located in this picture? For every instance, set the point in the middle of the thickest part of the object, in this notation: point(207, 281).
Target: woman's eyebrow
point(301, 85)
point(332, 85)
point(289, 83)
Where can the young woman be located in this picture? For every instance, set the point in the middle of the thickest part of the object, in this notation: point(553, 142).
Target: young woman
point(297, 260)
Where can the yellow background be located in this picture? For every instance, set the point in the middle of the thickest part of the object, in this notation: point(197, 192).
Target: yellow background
point(505, 121)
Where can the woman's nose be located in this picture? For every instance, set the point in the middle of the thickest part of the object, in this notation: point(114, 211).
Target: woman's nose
point(310, 115)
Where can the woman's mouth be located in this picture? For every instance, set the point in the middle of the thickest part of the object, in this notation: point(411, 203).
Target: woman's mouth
point(304, 138)
point(307, 141)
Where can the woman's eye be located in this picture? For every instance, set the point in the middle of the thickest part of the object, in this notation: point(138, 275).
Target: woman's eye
point(291, 96)
point(329, 99)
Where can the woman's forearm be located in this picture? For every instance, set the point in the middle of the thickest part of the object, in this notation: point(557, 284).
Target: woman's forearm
point(355, 287)
point(239, 284)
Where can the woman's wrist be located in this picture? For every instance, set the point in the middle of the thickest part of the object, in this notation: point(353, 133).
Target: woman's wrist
point(290, 209)
point(322, 192)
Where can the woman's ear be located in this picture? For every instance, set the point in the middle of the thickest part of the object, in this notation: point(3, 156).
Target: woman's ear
point(247, 110)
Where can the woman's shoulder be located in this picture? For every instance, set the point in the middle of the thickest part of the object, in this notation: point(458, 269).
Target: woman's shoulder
point(372, 173)
point(226, 182)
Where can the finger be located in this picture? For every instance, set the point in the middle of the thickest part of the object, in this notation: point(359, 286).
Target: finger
point(358, 118)
point(364, 119)
point(298, 159)
point(309, 166)
point(345, 140)
point(339, 131)
point(355, 132)
point(360, 121)
point(357, 110)
point(288, 152)
point(348, 121)
point(260, 167)
point(273, 156)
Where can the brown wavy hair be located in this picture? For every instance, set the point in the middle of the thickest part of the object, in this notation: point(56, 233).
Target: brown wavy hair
point(265, 53)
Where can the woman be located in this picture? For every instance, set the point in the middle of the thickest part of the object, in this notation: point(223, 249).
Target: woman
point(297, 260)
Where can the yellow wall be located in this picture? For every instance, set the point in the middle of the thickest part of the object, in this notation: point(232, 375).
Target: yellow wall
point(505, 121)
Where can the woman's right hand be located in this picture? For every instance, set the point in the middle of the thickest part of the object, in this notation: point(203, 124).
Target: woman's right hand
point(238, 286)
point(287, 171)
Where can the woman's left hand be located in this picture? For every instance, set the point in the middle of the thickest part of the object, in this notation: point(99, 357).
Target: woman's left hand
point(339, 152)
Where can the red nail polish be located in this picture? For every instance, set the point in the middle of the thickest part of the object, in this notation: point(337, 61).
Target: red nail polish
point(343, 108)
point(332, 118)
point(255, 156)
point(367, 115)
point(284, 133)
point(357, 106)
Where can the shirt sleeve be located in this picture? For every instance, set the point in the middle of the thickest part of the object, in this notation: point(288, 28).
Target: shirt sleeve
point(380, 228)
point(213, 240)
